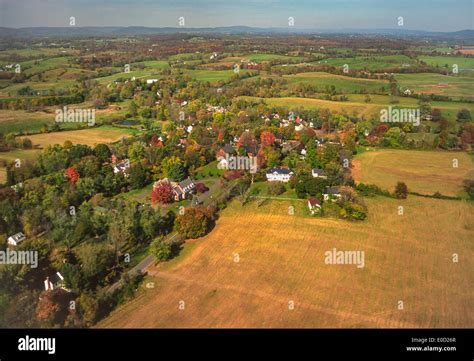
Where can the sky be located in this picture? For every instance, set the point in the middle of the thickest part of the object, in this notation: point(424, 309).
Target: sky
point(432, 15)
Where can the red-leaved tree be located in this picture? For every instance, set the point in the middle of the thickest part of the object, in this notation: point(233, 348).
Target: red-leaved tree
point(267, 138)
point(162, 193)
point(72, 174)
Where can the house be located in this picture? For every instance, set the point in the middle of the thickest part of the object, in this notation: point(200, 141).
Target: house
point(182, 189)
point(151, 81)
point(54, 282)
point(299, 127)
point(121, 167)
point(289, 145)
point(332, 193)
point(279, 175)
point(318, 173)
point(314, 205)
point(303, 153)
point(16, 239)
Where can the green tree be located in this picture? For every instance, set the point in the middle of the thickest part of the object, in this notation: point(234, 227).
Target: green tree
point(160, 249)
point(401, 190)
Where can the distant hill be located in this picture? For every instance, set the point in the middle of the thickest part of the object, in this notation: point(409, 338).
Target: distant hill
point(141, 30)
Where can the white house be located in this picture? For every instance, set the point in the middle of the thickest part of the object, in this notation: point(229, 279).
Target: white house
point(332, 193)
point(279, 175)
point(151, 81)
point(121, 168)
point(54, 282)
point(318, 173)
point(303, 153)
point(16, 239)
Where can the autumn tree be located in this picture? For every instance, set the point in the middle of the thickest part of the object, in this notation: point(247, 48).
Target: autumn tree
point(194, 222)
point(52, 308)
point(162, 193)
point(267, 138)
point(72, 174)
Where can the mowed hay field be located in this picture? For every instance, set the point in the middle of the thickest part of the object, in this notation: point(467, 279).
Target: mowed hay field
point(424, 172)
point(91, 136)
point(281, 260)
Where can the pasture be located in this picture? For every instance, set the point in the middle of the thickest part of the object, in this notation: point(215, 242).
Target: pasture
point(281, 263)
point(424, 172)
point(372, 62)
point(448, 61)
point(343, 84)
point(356, 105)
point(429, 83)
point(89, 136)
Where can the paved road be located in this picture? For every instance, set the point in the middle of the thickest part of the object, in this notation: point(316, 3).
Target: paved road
point(140, 267)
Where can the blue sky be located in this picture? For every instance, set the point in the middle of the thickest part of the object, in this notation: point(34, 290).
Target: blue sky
point(437, 15)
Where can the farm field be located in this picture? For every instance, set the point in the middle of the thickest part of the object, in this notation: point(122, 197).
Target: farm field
point(341, 83)
point(22, 154)
point(424, 172)
point(258, 57)
point(372, 62)
point(402, 262)
point(428, 83)
point(212, 76)
point(91, 136)
point(443, 61)
point(356, 104)
point(15, 121)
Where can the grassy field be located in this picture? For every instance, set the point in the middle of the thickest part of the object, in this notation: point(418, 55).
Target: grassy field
point(22, 154)
point(259, 57)
point(15, 121)
point(281, 260)
point(449, 61)
point(212, 76)
point(342, 83)
point(91, 136)
point(370, 62)
point(356, 104)
point(428, 83)
point(425, 172)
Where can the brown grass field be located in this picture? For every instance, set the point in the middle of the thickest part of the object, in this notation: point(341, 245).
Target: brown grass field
point(407, 258)
point(425, 172)
point(92, 136)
